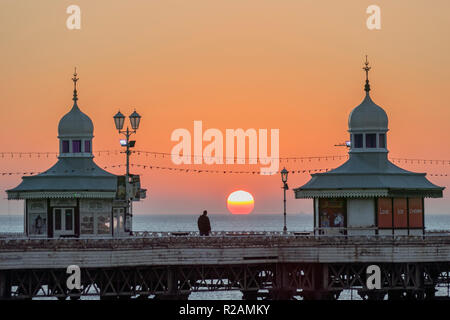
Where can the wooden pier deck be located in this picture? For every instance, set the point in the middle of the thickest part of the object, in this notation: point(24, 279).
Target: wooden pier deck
point(171, 265)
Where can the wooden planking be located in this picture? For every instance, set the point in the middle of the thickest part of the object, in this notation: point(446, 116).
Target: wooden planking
point(198, 256)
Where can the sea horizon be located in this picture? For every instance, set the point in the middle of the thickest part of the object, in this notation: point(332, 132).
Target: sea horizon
point(223, 222)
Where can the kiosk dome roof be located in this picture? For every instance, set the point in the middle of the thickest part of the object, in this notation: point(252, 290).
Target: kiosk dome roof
point(368, 116)
point(75, 123)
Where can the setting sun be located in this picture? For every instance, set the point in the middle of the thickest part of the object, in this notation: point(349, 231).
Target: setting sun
point(240, 202)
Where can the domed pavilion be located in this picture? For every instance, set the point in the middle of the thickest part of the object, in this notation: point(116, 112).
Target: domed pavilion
point(369, 195)
point(75, 197)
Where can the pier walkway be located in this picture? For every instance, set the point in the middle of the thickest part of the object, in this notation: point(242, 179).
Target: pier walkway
point(171, 265)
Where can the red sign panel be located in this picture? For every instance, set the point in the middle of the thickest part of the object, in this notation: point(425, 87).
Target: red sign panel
point(384, 213)
point(415, 212)
point(400, 213)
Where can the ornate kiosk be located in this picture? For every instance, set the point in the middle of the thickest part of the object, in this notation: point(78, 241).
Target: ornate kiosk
point(368, 194)
point(75, 197)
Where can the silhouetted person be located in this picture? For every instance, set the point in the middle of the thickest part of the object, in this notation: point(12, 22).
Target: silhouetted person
point(203, 224)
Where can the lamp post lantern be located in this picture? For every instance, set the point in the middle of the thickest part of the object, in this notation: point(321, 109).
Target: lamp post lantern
point(119, 120)
point(284, 177)
point(135, 119)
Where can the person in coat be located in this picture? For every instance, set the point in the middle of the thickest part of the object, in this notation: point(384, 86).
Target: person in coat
point(203, 224)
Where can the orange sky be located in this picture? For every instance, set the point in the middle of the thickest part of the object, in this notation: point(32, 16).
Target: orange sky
point(294, 65)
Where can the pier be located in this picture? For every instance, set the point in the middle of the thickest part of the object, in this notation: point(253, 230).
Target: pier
point(268, 265)
point(367, 212)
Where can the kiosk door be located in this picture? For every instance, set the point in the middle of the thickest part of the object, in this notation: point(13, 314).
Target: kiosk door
point(63, 222)
point(118, 215)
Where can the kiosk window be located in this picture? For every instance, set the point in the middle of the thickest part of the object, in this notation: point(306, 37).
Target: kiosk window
point(358, 143)
point(371, 140)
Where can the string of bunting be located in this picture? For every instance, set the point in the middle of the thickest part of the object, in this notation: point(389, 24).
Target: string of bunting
point(247, 172)
point(163, 155)
point(188, 170)
point(27, 154)
point(151, 167)
point(287, 159)
point(185, 170)
point(420, 161)
point(32, 172)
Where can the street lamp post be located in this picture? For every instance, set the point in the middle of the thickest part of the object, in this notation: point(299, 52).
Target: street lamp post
point(135, 120)
point(284, 176)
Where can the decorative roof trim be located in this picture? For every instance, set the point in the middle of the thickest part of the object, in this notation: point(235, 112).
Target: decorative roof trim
point(348, 193)
point(389, 174)
point(60, 194)
point(366, 193)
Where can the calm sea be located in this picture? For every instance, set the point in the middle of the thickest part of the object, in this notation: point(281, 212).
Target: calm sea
point(222, 222)
point(225, 222)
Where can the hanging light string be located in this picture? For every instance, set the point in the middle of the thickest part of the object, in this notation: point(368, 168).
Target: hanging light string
point(153, 167)
point(420, 161)
point(218, 171)
point(83, 170)
point(287, 159)
point(164, 155)
point(183, 170)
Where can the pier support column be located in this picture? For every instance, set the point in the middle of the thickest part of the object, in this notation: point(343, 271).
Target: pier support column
point(173, 292)
point(414, 284)
point(430, 287)
point(282, 288)
point(5, 286)
point(419, 293)
point(320, 290)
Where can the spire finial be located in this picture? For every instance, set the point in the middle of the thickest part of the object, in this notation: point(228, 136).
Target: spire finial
point(367, 69)
point(75, 79)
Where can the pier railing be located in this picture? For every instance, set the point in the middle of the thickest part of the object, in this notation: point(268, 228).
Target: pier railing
point(241, 239)
point(217, 233)
point(317, 233)
point(343, 233)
